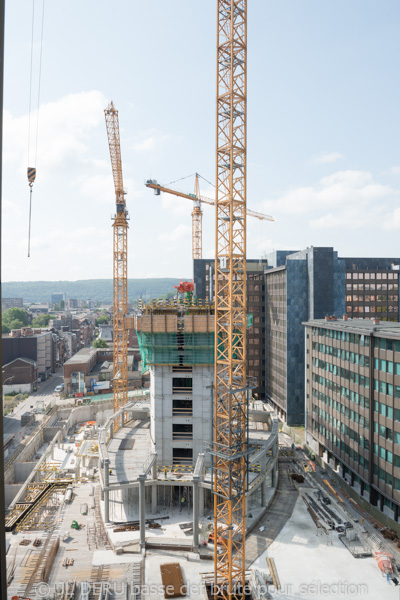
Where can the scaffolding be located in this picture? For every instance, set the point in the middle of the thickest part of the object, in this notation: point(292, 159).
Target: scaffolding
point(176, 349)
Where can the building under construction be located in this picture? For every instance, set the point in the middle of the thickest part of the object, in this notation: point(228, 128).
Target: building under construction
point(171, 436)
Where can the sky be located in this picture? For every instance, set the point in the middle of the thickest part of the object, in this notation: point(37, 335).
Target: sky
point(323, 130)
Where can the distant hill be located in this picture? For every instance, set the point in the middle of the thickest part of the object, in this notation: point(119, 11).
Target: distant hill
point(96, 289)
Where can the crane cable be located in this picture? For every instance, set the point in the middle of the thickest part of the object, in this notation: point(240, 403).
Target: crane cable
point(31, 171)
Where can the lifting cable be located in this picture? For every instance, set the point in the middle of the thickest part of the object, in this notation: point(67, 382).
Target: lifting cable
point(31, 171)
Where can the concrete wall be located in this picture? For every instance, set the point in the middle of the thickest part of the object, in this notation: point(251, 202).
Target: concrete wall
point(21, 388)
point(161, 408)
point(25, 456)
point(23, 470)
point(10, 491)
point(87, 412)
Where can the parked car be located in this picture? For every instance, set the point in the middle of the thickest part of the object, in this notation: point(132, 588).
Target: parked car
point(59, 388)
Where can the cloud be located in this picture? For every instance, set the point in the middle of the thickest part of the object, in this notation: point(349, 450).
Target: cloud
point(65, 127)
point(345, 199)
point(394, 170)
point(327, 158)
point(149, 141)
point(180, 232)
point(391, 221)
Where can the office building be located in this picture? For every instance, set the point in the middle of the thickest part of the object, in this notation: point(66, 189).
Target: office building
point(59, 297)
point(311, 284)
point(204, 280)
point(372, 288)
point(353, 404)
point(299, 286)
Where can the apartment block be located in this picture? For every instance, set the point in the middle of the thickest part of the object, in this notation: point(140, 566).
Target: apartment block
point(353, 404)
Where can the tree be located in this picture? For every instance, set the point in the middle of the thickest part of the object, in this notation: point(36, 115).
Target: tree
point(5, 329)
point(14, 318)
point(42, 320)
point(100, 343)
point(101, 320)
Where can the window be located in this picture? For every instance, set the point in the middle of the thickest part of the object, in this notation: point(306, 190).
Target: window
point(182, 385)
point(182, 432)
point(396, 437)
point(182, 456)
point(182, 408)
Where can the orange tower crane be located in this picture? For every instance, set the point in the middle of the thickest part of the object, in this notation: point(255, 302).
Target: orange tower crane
point(120, 267)
point(230, 447)
point(197, 214)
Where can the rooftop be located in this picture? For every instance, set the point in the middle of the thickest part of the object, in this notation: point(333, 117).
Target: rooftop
point(82, 356)
point(363, 326)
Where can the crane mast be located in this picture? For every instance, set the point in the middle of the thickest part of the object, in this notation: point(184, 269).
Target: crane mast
point(230, 391)
point(197, 223)
point(120, 267)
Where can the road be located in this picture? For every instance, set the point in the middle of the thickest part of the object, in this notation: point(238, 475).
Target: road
point(12, 423)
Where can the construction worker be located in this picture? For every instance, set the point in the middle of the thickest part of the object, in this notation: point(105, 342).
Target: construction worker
point(183, 503)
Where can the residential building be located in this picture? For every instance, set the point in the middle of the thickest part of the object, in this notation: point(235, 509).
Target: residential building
point(7, 303)
point(204, 279)
point(36, 344)
point(353, 404)
point(73, 303)
point(20, 375)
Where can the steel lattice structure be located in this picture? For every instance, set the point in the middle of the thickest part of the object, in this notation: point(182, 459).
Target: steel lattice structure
point(197, 223)
point(120, 266)
point(230, 402)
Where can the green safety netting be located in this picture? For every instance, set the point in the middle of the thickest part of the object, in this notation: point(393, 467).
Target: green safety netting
point(176, 349)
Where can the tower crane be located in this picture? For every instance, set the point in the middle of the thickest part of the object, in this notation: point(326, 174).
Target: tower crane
point(197, 214)
point(120, 267)
point(230, 446)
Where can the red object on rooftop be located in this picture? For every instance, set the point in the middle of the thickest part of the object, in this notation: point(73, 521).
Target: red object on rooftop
point(185, 286)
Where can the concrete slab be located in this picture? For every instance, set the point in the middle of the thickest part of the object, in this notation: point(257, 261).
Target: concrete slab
point(108, 557)
point(127, 465)
point(309, 567)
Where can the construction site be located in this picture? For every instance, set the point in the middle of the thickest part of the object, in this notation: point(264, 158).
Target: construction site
point(188, 489)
